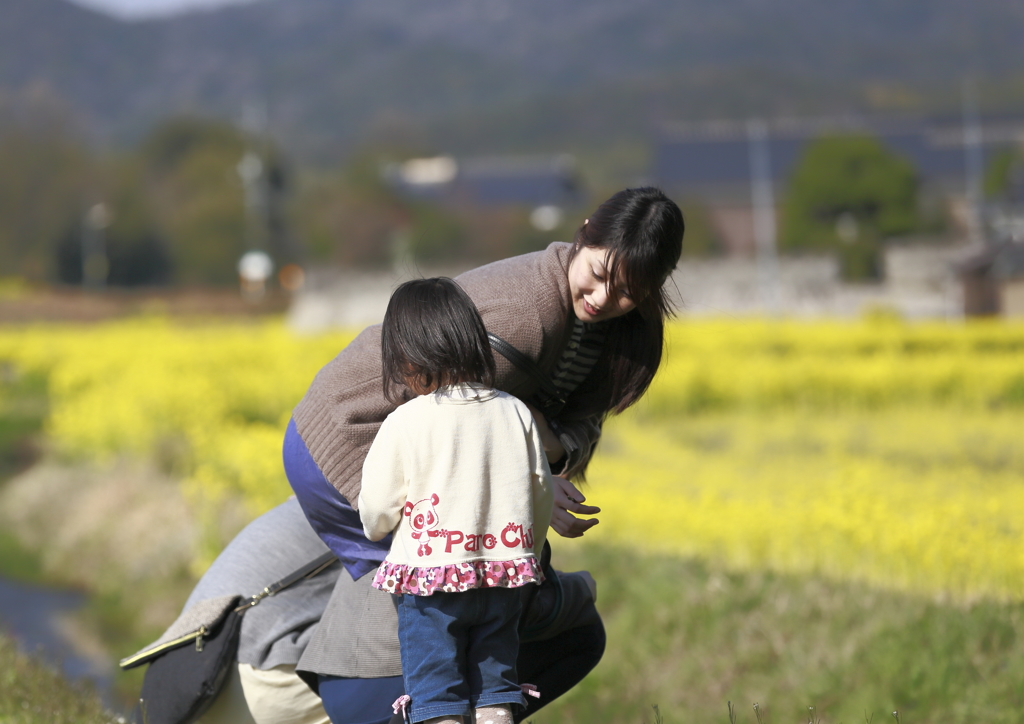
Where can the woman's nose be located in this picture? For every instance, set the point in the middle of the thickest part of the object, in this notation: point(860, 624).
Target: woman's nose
point(600, 296)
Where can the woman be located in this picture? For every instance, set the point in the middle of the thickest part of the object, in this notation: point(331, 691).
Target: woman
point(590, 316)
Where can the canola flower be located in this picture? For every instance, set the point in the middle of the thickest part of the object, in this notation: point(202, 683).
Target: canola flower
point(875, 450)
point(917, 500)
point(208, 401)
point(867, 364)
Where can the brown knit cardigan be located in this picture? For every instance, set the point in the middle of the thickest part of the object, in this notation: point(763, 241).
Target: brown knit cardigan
point(524, 300)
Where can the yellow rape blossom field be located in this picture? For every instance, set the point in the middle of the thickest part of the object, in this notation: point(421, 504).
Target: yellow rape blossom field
point(923, 501)
point(875, 450)
point(206, 401)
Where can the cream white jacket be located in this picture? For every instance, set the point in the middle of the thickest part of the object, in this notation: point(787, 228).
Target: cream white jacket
point(460, 475)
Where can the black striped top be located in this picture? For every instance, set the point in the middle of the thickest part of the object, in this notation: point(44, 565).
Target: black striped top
point(579, 357)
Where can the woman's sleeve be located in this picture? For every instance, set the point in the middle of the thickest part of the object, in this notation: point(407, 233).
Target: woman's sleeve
point(579, 438)
point(382, 500)
point(543, 492)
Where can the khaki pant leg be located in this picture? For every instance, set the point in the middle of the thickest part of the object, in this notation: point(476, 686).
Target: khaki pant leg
point(279, 696)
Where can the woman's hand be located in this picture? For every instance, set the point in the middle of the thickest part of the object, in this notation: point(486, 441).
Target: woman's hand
point(552, 445)
point(569, 500)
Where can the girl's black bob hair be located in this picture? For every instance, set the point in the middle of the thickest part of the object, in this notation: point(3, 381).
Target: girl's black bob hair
point(642, 229)
point(433, 333)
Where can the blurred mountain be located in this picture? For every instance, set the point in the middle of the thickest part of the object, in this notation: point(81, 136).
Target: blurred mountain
point(472, 75)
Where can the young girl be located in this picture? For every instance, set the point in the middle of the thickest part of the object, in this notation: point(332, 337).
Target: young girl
point(460, 475)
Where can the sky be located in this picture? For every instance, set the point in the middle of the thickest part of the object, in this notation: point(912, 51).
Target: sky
point(138, 9)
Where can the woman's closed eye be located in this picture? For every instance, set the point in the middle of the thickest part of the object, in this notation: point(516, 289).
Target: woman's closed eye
point(599, 276)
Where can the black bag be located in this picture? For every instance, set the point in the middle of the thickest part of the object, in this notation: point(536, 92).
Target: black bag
point(190, 663)
point(187, 672)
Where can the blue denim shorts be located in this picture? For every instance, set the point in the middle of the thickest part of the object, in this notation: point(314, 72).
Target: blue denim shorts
point(459, 651)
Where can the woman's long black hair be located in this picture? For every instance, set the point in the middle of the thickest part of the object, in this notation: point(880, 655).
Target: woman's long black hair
point(432, 331)
point(643, 230)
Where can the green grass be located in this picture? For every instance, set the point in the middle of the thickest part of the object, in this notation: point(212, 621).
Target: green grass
point(691, 638)
point(31, 693)
point(23, 406)
point(16, 561)
point(114, 615)
point(22, 410)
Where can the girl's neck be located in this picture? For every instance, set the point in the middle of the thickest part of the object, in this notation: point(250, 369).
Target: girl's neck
point(418, 387)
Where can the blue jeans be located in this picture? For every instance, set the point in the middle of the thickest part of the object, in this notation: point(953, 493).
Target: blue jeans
point(459, 651)
point(555, 665)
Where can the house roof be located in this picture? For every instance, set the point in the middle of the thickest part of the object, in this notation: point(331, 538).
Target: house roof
point(499, 180)
point(718, 154)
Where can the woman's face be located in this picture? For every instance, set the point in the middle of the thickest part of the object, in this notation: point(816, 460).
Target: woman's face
point(589, 286)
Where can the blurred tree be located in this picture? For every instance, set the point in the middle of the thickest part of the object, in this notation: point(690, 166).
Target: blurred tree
point(136, 245)
point(435, 233)
point(522, 236)
point(862, 260)
point(45, 180)
point(177, 139)
point(136, 251)
point(849, 193)
point(355, 218)
point(1004, 175)
point(699, 239)
point(349, 217)
point(848, 176)
point(191, 168)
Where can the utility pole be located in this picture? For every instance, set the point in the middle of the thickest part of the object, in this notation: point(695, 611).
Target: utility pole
point(95, 263)
point(252, 170)
point(256, 265)
point(973, 163)
point(763, 201)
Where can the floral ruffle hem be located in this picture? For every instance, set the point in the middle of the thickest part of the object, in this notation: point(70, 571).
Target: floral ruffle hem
point(457, 577)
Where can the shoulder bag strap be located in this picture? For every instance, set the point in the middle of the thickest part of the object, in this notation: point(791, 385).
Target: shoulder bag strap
point(551, 397)
point(307, 571)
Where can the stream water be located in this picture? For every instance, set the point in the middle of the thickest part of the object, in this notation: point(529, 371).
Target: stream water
point(38, 617)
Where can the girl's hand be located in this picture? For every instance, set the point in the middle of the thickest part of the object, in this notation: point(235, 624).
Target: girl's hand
point(569, 500)
point(552, 446)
